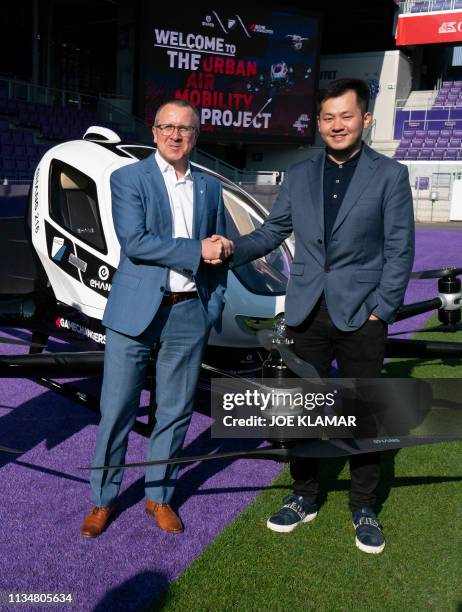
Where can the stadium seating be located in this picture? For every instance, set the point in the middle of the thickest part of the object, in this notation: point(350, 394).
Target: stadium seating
point(424, 6)
point(24, 123)
point(435, 133)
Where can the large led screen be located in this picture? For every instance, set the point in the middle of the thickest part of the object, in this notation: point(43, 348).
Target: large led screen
point(251, 72)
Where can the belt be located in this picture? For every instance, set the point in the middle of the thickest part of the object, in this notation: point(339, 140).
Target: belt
point(178, 296)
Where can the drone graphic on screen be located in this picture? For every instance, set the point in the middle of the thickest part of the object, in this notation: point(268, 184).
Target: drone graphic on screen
point(60, 260)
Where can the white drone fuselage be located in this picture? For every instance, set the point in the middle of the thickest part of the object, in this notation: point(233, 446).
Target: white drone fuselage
point(79, 255)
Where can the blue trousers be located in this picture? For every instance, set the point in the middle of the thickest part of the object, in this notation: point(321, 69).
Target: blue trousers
point(182, 332)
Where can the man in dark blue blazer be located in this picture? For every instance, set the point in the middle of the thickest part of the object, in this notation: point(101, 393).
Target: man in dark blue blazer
point(163, 292)
point(351, 211)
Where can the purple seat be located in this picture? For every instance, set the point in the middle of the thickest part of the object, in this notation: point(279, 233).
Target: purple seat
point(455, 143)
point(28, 138)
point(429, 142)
point(408, 133)
point(441, 5)
point(31, 150)
point(22, 165)
point(18, 137)
point(405, 142)
point(420, 133)
point(433, 133)
point(446, 133)
point(400, 154)
point(442, 142)
point(437, 154)
point(412, 153)
point(425, 154)
point(450, 154)
point(447, 83)
point(7, 150)
point(456, 133)
point(6, 138)
point(417, 142)
point(8, 164)
point(422, 182)
point(20, 150)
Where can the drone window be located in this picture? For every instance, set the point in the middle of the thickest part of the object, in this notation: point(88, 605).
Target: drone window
point(74, 204)
point(267, 275)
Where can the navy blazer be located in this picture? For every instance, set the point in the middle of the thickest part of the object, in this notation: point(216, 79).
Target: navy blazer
point(143, 224)
point(369, 258)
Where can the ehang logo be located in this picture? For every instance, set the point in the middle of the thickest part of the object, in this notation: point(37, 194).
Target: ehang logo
point(447, 27)
point(103, 273)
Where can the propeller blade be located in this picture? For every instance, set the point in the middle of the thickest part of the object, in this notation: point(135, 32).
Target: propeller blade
point(269, 452)
point(266, 338)
point(358, 446)
point(272, 341)
point(297, 365)
point(435, 328)
point(437, 273)
point(13, 451)
point(20, 342)
point(314, 448)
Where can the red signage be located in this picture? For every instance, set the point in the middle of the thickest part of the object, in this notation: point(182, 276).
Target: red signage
point(429, 28)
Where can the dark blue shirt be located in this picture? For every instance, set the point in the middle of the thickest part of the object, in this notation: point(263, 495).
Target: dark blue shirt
point(337, 178)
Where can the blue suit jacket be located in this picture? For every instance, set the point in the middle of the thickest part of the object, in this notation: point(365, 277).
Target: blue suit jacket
point(143, 224)
point(369, 258)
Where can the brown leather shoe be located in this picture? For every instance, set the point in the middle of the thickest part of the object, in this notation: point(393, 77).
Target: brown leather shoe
point(165, 517)
point(96, 521)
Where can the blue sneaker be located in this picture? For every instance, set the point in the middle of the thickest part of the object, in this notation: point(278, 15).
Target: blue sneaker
point(369, 536)
point(294, 511)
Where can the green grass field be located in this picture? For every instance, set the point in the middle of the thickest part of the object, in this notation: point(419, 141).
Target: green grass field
point(317, 567)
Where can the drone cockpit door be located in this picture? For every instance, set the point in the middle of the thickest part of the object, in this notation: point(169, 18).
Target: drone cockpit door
point(74, 204)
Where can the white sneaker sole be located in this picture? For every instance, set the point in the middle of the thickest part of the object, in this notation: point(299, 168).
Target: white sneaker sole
point(289, 528)
point(372, 550)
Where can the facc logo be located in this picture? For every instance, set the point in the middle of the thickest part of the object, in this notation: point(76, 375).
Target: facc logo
point(208, 22)
point(448, 27)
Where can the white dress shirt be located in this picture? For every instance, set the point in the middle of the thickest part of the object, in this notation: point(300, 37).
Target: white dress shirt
point(181, 197)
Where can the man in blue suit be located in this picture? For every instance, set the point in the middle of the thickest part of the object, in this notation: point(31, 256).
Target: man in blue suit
point(163, 292)
point(351, 211)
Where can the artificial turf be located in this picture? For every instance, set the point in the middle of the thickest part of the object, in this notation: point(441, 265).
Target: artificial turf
point(317, 567)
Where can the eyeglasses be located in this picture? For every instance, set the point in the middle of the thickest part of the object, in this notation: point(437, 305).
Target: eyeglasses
point(168, 129)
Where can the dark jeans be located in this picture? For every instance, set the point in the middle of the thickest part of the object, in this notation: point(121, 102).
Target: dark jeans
point(359, 354)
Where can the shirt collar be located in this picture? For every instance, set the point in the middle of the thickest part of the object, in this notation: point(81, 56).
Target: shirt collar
point(165, 167)
point(350, 162)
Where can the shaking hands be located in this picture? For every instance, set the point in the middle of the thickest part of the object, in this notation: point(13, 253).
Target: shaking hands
point(216, 249)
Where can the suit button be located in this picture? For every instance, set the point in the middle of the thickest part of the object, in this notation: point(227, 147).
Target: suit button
point(162, 289)
point(319, 241)
point(326, 268)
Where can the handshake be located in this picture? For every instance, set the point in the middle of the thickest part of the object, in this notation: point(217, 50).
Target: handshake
point(216, 249)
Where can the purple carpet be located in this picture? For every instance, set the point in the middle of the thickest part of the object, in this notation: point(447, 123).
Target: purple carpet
point(45, 496)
